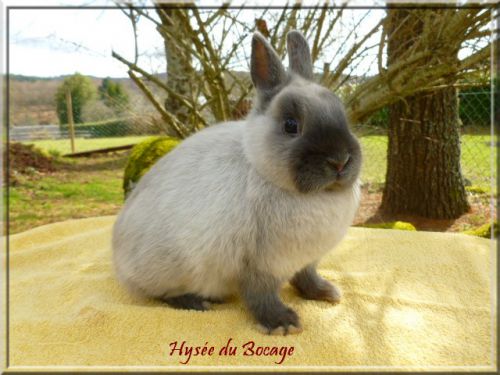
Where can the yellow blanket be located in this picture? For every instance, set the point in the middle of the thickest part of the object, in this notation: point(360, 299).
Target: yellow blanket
point(411, 300)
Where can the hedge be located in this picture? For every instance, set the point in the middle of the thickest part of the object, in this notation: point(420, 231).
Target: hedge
point(101, 129)
point(484, 230)
point(474, 108)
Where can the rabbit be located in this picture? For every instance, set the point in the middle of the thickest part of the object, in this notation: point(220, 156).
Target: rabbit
point(242, 207)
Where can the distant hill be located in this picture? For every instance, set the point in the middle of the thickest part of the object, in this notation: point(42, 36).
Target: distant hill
point(19, 77)
point(31, 99)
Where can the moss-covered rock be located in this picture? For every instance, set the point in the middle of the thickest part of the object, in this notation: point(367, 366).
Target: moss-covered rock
point(142, 158)
point(401, 225)
point(484, 230)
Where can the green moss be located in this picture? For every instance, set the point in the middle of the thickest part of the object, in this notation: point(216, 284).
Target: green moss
point(475, 189)
point(401, 225)
point(484, 230)
point(142, 158)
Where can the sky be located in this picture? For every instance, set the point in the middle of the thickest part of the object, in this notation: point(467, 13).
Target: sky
point(52, 42)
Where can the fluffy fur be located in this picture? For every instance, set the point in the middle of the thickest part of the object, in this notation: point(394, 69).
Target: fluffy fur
point(242, 207)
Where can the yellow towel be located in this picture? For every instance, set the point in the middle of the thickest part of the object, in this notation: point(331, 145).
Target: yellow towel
point(411, 300)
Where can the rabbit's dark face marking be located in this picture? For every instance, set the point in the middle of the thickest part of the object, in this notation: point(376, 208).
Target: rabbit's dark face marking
point(299, 139)
point(323, 154)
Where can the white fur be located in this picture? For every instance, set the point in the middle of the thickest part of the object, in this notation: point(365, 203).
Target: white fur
point(215, 199)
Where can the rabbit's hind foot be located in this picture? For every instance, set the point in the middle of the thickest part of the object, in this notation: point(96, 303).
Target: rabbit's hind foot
point(188, 301)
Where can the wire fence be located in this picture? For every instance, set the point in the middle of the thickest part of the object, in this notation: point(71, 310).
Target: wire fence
point(478, 149)
point(474, 122)
point(350, 28)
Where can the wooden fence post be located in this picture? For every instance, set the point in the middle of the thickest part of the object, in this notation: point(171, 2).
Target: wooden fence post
point(69, 108)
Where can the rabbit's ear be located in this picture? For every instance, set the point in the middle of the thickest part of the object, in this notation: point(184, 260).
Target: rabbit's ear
point(299, 55)
point(265, 67)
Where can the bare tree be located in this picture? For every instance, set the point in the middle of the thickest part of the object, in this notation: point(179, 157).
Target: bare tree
point(415, 50)
point(423, 172)
point(210, 42)
point(205, 49)
point(419, 66)
point(179, 68)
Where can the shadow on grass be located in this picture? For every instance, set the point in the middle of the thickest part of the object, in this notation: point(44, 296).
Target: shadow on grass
point(112, 161)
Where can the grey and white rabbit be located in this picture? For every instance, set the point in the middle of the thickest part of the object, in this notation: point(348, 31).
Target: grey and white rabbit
point(243, 207)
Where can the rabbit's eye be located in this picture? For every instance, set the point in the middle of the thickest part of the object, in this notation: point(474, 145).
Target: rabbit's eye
point(291, 126)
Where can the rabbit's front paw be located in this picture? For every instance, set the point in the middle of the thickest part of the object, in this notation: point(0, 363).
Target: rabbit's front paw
point(260, 292)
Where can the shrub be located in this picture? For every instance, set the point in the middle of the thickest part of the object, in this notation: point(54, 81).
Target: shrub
point(113, 95)
point(142, 158)
point(146, 124)
point(484, 230)
point(475, 106)
point(379, 118)
point(82, 90)
point(101, 129)
point(401, 225)
point(95, 111)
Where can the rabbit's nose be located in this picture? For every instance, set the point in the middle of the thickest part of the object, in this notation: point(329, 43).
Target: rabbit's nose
point(338, 163)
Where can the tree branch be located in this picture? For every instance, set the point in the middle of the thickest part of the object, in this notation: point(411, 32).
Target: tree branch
point(167, 116)
point(159, 83)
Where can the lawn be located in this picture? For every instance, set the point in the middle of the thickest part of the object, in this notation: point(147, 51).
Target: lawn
point(88, 187)
point(476, 159)
point(63, 146)
point(476, 153)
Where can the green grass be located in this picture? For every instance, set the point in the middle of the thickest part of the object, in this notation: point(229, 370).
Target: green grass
point(63, 146)
point(476, 160)
point(374, 148)
point(92, 187)
point(476, 154)
point(476, 164)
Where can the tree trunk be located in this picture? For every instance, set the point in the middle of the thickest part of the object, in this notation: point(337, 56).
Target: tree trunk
point(178, 70)
point(423, 160)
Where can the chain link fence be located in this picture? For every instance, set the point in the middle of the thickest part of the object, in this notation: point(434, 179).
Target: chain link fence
point(478, 147)
point(141, 119)
point(474, 116)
